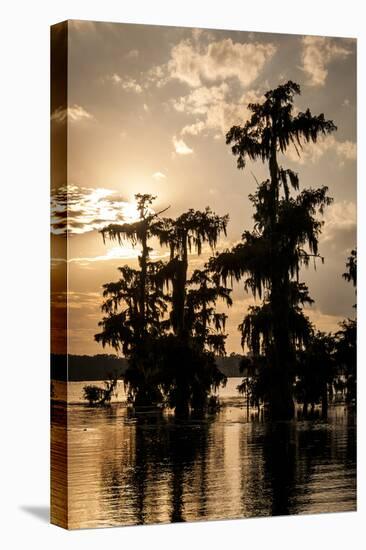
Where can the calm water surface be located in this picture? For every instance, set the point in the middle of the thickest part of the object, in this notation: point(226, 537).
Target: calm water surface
point(127, 470)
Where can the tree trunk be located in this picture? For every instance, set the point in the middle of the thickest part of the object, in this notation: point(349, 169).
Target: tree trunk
point(281, 404)
point(143, 265)
point(325, 401)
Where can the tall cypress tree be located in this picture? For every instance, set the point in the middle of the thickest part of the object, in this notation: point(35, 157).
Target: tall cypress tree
point(286, 231)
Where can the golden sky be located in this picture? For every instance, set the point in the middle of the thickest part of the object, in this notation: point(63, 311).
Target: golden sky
point(147, 111)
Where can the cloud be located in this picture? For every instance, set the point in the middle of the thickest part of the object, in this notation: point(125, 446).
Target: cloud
point(75, 113)
point(215, 108)
point(157, 75)
point(180, 147)
point(128, 84)
point(75, 300)
point(195, 64)
point(200, 99)
point(158, 176)
point(346, 150)
point(323, 321)
point(340, 225)
point(193, 129)
point(313, 152)
point(317, 53)
point(200, 60)
point(124, 252)
point(76, 210)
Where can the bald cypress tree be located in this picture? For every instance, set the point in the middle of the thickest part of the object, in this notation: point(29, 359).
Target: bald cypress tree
point(285, 234)
point(188, 356)
point(134, 307)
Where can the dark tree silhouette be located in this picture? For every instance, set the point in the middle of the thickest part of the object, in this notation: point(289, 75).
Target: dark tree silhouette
point(187, 357)
point(170, 359)
point(135, 307)
point(138, 232)
point(346, 355)
point(351, 274)
point(316, 370)
point(205, 325)
point(285, 234)
point(96, 395)
point(346, 337)
point(135, 333)
point(190, 231)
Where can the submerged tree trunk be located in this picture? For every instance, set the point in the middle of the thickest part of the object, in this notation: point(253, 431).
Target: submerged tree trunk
point(182, 406)
point(281, 403)
point(325, 401)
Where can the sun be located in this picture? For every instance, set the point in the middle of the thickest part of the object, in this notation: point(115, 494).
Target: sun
point(130, 212)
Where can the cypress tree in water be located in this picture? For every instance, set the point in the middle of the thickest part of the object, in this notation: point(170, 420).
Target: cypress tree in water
point(170, 340)
point(134, 308)
point(284, 238)
point(189, 359)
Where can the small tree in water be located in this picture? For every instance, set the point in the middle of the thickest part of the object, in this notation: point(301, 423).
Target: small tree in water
point(285, 235)
point(96, 395)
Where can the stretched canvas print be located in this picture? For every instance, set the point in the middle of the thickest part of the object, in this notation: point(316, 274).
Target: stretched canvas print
point(204, 268)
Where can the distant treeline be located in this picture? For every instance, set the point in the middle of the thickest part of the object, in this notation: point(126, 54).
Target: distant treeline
point(100, 367)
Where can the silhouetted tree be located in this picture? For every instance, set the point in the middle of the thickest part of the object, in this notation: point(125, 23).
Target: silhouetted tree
point(346, 355)
point(316, 370)
point(190, 231)
point(138, 233)
point(286, 231)
point(135, 307)
point(96, 395)
point(351, 274)
point(346, 338)
point(204, 324)
point(187, 357)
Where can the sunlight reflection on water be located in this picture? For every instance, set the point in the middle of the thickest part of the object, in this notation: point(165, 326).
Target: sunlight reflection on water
point(153, 469)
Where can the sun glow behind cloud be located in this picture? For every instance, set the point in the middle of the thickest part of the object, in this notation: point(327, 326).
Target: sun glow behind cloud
point(76, 210)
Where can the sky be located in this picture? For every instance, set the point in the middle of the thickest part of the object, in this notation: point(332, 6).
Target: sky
point(147, 111)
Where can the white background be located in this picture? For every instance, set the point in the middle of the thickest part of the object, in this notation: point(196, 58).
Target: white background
point(24, 271)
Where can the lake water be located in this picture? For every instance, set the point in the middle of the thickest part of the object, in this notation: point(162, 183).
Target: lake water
point(125, 470)
point(73, 391)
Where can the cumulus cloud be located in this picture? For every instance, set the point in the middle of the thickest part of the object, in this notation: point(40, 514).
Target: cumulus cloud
point(180, 147)
point(215, 108)
point(193, 129)
point(75, 113)
point(194, 64)
point(200, 99)
point(76, 210)
point(317, 53)
point(313, 152)
point(197, 62)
